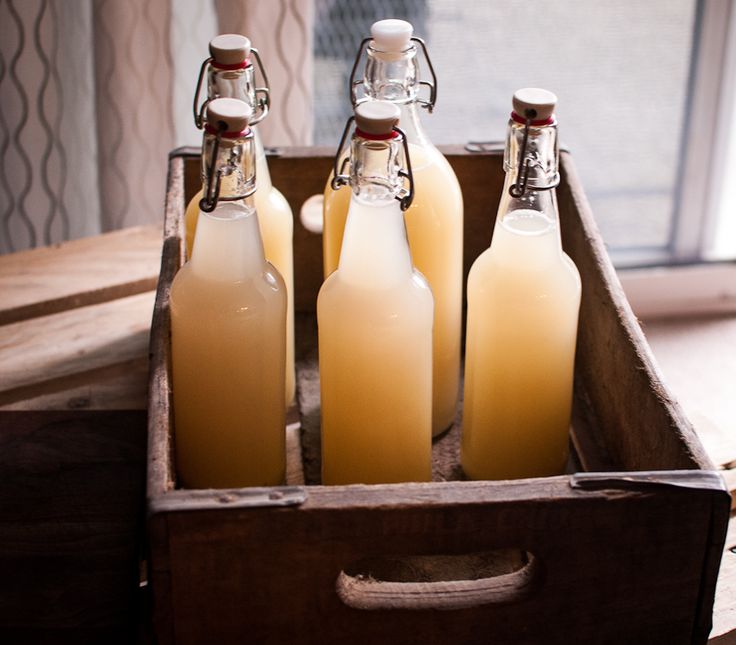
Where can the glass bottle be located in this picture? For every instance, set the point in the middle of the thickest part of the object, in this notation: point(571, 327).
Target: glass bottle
point(523, 303)
point(228, 326)
point(230, 73)
point(374, 316)
point(434, 222)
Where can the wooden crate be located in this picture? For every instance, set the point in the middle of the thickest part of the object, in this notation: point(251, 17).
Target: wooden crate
point(74, 326)
point(626, 549)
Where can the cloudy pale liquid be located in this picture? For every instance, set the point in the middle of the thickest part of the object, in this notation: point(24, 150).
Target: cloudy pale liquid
point(228, 359)
point(434, 227)
point(375, 357)
point(523, 301)
point(277, 227)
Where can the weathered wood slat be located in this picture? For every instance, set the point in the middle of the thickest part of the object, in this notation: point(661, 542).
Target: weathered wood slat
point(81, 272)
point(74, 347)
point(594, 588)
point(123, 386)
point(613, 362)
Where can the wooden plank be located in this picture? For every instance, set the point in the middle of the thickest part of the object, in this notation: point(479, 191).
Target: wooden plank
point(160, 476)
point(68, 349)
point(643, 426)
point(70, 525)
point(724, 610)
point(626, 539)
point(121, 387)
point(77, 273)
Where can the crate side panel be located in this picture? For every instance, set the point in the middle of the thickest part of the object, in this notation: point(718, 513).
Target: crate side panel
point(70, 520)
point(643, 427)
point(631, 572)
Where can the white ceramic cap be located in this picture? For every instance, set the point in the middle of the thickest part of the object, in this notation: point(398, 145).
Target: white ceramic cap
point(535, 103)
point(230, 49)
point(235, 113)
point(391, 35)
point(377, 117)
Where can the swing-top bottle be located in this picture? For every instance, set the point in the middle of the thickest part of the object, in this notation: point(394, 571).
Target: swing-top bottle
point(375, 321)
point(228, 326)
point(523, 301)
point(434, 222)
point(230, 72)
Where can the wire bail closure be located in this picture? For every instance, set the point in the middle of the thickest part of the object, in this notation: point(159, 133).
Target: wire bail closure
point(262, 94)
point(518, 189)
point(340, 179)
point(211, 193)
point(432, 85)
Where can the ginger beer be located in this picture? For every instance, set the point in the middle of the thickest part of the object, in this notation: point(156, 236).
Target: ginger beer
point(523, 302)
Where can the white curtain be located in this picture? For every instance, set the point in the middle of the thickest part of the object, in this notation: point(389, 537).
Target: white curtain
point(95, 93)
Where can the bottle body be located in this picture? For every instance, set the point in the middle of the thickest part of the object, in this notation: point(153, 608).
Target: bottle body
point(523, 303)
point(277, 231)
point(375, 351)
point(434, 224)
point(228, 319)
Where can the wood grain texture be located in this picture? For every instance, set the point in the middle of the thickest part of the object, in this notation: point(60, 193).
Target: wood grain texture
point(81, 272)
point(70, 525)
point(624, 578)
point(613, 362)
point(123, 386)
point(71, 348)
point(618, 565)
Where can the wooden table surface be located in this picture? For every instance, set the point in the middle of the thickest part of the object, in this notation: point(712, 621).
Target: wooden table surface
point(74, 324)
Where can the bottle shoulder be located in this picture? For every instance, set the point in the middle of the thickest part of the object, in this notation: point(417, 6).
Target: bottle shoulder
point(190, 287)
point(271, 204)
point(410, 291)
point(490, 270)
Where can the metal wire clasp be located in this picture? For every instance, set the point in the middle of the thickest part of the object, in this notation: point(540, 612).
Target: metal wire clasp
point(432, 85)
point(522, 177)
point(211, 192)
point(339, 179)
point(199, 111)
point(407, 197)
point(263, 94)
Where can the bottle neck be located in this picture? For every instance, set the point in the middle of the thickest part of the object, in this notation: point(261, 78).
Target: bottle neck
point(537, 158)
point(375, 251)
point(228, 245)
point(375, 167)
point(394, 77)
point(241, 84)
point(232, 83)
point(529, 199)
point(234, 159)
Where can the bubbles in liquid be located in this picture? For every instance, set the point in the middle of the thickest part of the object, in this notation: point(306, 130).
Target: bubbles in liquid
point(528, 222)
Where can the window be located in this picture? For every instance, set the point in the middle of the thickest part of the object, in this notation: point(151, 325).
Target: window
point(638, 83)
point(104, 90)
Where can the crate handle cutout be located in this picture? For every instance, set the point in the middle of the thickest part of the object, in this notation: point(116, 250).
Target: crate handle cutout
point(444, 582)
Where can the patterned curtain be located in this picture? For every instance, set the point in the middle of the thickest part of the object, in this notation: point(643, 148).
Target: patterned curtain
point(95, 93)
